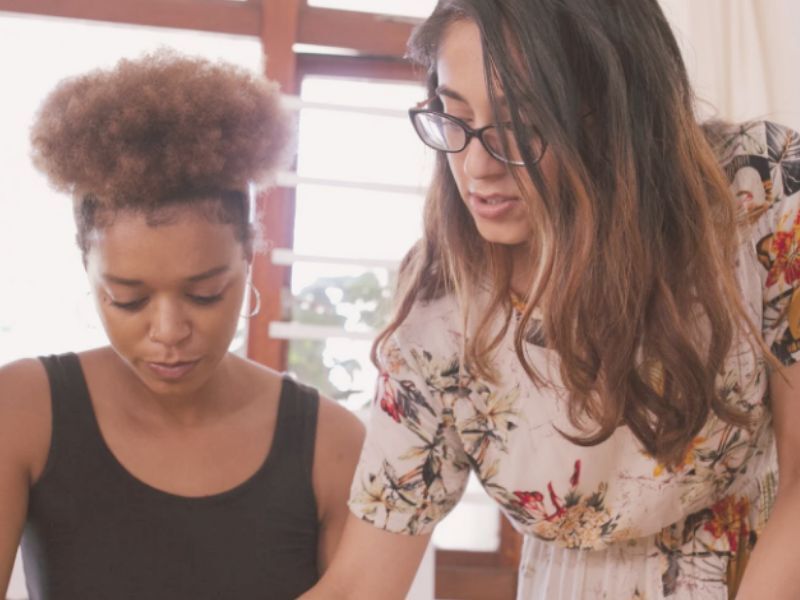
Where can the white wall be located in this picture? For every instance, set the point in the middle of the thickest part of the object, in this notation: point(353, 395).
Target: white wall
point(741, 55)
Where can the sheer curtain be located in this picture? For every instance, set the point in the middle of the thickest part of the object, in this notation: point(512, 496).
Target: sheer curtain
point(740, 55)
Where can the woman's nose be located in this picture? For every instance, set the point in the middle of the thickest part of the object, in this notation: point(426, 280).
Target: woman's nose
point(169, 324)
point(479, 164)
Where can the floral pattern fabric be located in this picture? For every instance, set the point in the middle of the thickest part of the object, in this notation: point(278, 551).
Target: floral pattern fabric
point(605, 521)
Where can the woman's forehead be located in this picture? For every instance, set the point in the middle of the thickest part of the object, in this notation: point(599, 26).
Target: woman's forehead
point(459, 64)
point(181, 246)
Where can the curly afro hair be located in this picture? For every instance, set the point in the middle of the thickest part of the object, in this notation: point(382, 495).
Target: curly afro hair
point(160, 130)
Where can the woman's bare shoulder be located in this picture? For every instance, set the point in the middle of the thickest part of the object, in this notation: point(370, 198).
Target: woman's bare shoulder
point(24, 387)
point(340, 435)
point(337, 425)
point(339, 431)
point(265, 381)
point(25, 414)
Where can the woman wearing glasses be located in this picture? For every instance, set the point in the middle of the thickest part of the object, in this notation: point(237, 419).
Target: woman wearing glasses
point(162, 466)
point(601, 321)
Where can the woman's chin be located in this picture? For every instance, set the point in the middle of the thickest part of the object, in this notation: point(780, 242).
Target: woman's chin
point(509, 235)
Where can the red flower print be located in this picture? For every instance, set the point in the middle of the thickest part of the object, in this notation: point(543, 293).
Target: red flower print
point(559, 510)
point(389, 401)
point(534, 501)
point(785, 246)
point(530, 500)
point(576, 474)
point(729, 519)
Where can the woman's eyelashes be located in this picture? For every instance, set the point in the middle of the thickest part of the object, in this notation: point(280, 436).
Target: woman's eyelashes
point(204, 300)
point(131, 306)
point(139, 303)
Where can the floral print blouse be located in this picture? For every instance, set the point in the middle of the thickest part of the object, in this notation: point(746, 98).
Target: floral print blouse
point(607, 521)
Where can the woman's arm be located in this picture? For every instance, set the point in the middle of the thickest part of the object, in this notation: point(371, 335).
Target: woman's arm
point(413, 468)
point(370, 563)
point(774, 570)
point(13, 505)
point(24, 437)
point(339, 438)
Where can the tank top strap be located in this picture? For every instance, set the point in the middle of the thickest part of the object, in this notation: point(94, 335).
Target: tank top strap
point(74, 433)
point(69, 395)
point(296, 427)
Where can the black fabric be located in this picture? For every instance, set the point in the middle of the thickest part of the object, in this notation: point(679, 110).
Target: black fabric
point(95, 532)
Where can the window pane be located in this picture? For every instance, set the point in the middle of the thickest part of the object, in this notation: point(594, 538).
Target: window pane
point(361, 146)
point(352, 223)
point(356, 223)
point(356, 92)
point(352, 300)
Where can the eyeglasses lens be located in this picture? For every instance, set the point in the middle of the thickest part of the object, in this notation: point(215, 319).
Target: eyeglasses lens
point(502, 143)
point(440, 133)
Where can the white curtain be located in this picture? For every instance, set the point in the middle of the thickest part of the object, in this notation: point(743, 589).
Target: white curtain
point(742, 56)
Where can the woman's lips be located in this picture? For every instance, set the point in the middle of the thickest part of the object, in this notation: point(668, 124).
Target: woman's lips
point(494, 206)
point(174, 370)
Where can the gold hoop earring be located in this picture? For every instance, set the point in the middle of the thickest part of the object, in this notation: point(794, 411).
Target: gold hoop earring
point(257, 296)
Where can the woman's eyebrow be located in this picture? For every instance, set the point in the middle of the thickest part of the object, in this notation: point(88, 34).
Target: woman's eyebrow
point(193, 278)
point(208, 274)
point(122, 280)
point(443, 90)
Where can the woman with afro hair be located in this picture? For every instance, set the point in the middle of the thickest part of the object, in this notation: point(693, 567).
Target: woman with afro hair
point(162, 465)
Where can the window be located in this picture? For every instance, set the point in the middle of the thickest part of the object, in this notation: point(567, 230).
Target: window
point(358, 209)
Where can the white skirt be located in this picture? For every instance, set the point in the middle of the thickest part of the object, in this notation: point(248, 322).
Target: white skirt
point(637, 569)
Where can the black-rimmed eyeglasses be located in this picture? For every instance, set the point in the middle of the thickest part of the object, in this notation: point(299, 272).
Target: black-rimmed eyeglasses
point(447, 133)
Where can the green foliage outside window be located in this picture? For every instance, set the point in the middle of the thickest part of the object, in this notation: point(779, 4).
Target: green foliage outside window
point(354, 303)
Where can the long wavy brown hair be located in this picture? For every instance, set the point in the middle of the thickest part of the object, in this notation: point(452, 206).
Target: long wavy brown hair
point(633, 248)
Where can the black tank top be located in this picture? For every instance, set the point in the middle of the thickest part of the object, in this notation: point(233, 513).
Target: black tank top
point(95, 532)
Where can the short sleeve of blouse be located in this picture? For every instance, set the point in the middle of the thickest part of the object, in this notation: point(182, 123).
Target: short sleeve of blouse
point(413, 468)
point(773, 206)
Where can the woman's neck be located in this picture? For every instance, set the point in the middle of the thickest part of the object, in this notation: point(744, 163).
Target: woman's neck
point(521, 271)
point(217, 397)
